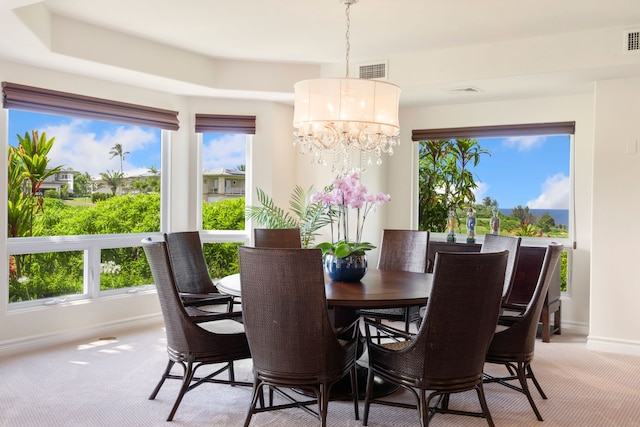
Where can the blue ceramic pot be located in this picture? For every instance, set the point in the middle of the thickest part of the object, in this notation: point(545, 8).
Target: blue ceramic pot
point(351, 268)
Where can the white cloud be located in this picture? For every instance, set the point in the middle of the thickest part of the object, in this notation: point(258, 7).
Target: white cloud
point(555, 194)
point(524, 143)
point(481, 191)
point(227, 152)
point(81, 150)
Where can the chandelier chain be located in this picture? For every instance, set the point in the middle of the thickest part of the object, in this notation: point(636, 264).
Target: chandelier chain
point(347, 10)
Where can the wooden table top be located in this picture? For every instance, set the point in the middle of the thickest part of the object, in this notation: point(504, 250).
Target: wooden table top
point(381, 288)
point(378, 288)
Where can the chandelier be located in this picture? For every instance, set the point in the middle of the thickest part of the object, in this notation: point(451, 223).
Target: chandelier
point(349, 122)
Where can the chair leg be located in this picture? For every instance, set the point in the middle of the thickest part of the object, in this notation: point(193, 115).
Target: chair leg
point(155, 391)
point(232, 374)
point(378, 333)
point(257, 394)
point(522, 376)
point(323, 404)
point(407, 320)
point(367, 398)
point(557, 318)
point(354, 391)
point(186, 382)
point(445, 401)
point(424, 404)
point(535, 381)
point(483, 404)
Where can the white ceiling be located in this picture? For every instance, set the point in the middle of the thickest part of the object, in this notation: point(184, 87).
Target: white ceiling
point(504, 48)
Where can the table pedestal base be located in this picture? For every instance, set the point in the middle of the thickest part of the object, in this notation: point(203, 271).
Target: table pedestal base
point(342, 389)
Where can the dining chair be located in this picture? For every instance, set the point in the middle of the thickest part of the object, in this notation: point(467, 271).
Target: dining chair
point(192, 275)
point(292, 341)
point(448, 352)
point(193, 341)
point(513, 343)
point(276, 238)
point(404, 250)
point(497, 243)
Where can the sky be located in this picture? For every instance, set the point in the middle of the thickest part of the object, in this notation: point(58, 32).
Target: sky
point(525, 171)
point(84, 145)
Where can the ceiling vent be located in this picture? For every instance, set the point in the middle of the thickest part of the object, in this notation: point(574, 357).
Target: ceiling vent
point(374, 71)
point(463, 90)
point(632, 41)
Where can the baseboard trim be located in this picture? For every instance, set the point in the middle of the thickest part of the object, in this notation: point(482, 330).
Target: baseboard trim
point(33, 343)
point(613, 345)
point(577, 327)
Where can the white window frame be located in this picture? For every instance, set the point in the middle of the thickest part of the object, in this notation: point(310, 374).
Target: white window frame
point(92, 245)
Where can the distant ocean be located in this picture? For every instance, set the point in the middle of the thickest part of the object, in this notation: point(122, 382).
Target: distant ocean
point(560, 216)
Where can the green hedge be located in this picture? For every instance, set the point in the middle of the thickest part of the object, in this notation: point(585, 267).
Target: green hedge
point(53, 274)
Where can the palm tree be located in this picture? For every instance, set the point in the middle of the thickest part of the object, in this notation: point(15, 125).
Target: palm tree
point(117, 150)
point(113, 179)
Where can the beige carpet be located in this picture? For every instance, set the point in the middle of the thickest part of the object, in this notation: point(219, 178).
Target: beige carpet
point(106, 382)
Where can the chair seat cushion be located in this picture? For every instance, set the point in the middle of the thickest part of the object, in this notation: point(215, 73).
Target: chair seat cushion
point(225, 326)
point(396, 345)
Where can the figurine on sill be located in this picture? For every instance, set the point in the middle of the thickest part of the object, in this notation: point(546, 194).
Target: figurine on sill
point(471, 225)
point(451, 226)
point(495, 221)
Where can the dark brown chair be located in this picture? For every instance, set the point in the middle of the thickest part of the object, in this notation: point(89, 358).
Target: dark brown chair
point(513, 344)
point(190, 269)
point(276, 238)
point(292, 342)
point(404, 250)
point(496, 243)
point(448, 352)
point(193, 341)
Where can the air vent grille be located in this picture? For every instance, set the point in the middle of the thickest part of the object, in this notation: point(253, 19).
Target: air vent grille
point(377, 71)
point(467, 89)
point(632, 41)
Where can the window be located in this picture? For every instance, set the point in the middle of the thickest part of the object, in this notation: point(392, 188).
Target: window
point(223, 161)
point(523, 172)
point(107, 178)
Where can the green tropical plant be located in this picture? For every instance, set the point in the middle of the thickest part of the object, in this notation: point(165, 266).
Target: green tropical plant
point(28, 168)
point(523, 215)
point(113, 179)
point(526, 229)
point(445, 181)
point(304, 214)
point(546, 222)
point(82, 185)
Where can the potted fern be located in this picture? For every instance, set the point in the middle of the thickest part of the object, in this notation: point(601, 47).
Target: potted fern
point(309, 216)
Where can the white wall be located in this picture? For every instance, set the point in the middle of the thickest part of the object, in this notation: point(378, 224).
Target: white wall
point(615, 282)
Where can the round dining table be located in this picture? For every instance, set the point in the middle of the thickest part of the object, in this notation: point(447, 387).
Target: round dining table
point(377, 289)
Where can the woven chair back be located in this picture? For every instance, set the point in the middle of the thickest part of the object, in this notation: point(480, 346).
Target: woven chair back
point(276, 238)
point(405, 250)
point(521, 338)
point(185, 339)
point(496, 243)
point(461, 316)
point(285, 313)
point(188, 262)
